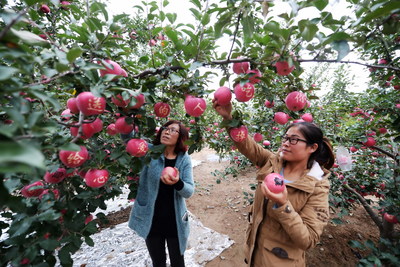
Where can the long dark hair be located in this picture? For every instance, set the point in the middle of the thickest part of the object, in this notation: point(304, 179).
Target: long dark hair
point(313, 134)
point(183, 136)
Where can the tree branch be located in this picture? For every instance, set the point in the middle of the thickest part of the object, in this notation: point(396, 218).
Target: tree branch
point(235, 33)
point(350, 62)
point(15, 20)
point(366, 206)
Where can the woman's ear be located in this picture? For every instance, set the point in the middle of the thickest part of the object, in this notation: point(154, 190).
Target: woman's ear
point(314, 147)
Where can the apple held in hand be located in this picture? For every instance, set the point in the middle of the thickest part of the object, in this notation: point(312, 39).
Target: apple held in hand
point(96, 178)
point(195, 106)
point(169, 171)
point(162, 109)
point(33, 189)
point(89, 104)
point(223, 95)
point(239, 134)
point(137, 147)
point(55, 177)
point(74, 159)
point(275, 182)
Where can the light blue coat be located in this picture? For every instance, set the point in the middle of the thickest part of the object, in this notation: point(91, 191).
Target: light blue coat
point(143, 209)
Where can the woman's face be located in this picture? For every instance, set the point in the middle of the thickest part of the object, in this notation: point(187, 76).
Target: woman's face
point(170, 134)
point(299, 152)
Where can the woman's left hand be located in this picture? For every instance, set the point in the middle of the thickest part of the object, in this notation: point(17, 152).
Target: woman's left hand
point(169, 179)
point(279, 198)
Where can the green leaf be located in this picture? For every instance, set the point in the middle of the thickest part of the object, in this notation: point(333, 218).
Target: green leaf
point(74, 53)
point(32, 2)
point(320, 4)
point(29, 38)
point(49, 244)
point(7, 72)
point(196, 3)
point(342, 47)
point(99, 6)
point(195, 13)
point(307, 29)
point(273, 27)
point(89, 241)
point(14, 152)
point(206, 19)
point(48, 215)
point(248, 28)
point(171, 17)
point(378, 11)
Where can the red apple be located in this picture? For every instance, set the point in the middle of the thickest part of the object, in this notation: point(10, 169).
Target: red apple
point(223, 95)
point(307, 117)
point(283, 68)
point(122, 126)
point(111, 130)
point(74, 159)
point(140, 100)
point(382, 130)
point(87, 131)
point(370, 142)
point(119, 101)
point(353, 149)
point(254, 75)
point(137, 147)
point(64, 5)
point(162, 109)
point(266, 143)
point(239, 134)
point(96, 178)
point(240, 67)
point(33, 189)
point(89, 218)
point(390, 218)
point(195, 106)
point(269, 104)
point(55, 192)
point(298, 120)
point(244, 93)
point(296, 101)
point(45, 8)
point(133, 35)
point(55, 177)
point(71, 105)
point(152, 42)
point(114, 70)
point(281, 118)
point(275, 182)
point(258, 137)
point(89, 104)
point(97, 125)
point(66, 115)
point(382, 61)
point(169, 171)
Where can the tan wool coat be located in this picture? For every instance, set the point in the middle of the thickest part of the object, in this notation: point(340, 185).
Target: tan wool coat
point(279, 236)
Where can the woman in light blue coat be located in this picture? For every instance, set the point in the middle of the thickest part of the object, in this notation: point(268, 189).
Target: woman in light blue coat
point(159, 213)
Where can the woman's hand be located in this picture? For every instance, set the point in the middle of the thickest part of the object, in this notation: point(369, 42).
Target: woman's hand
point(278, 198)
point(224, 111)
point(169, 179)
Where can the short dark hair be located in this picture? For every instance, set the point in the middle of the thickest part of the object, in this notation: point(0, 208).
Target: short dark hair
point(183, 136)
point(314, 135)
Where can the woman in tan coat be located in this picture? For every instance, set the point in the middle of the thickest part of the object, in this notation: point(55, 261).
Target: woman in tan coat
point(283, 226)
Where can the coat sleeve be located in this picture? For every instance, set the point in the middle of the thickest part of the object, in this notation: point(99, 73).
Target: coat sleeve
point(186, 175)
point(253, 151)
point(306, 226)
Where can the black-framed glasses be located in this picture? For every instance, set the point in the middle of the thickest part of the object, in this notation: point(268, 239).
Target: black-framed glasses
point(292, 140)
point(170, 130)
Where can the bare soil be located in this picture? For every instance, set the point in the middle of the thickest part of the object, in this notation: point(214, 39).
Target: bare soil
point(223, 208)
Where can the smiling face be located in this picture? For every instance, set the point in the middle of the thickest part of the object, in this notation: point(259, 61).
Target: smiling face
point(170, 134)
point(299, 152)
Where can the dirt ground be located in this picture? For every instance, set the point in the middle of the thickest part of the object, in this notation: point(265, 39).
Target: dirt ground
point(222, 207)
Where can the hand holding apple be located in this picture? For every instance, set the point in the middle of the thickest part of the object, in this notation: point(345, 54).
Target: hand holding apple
point(170, 175)
point(274, 188)
point(224, 111)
